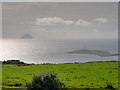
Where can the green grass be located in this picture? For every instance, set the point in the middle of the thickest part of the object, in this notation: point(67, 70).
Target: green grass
point(77, 75)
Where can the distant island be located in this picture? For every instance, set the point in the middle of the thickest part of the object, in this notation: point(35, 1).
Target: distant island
point(94, 52)
point(27, 36)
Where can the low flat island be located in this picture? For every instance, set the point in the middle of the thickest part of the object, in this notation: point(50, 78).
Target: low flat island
point(94, 52)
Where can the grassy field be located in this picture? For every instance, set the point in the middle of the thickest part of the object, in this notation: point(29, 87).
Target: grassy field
point(76, 75)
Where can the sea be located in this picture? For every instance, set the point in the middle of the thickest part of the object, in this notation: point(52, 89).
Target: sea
point(40, 51)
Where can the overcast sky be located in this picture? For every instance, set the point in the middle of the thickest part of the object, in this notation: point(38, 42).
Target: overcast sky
point(60, 20)
point(59, 0)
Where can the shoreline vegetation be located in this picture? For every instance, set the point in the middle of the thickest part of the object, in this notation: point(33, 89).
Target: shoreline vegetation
point(16, 73)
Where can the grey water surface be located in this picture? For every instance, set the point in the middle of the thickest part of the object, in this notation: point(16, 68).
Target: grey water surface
point(54, 51)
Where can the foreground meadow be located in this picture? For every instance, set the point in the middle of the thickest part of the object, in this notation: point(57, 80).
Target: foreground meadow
point(75, 75)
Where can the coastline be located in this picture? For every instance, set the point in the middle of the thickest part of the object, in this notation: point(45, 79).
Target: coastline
point(24, 63)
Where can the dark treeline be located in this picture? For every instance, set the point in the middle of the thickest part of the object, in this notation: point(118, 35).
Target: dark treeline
point(12, 62)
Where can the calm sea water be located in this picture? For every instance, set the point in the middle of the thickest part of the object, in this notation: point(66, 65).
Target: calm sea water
point(54, 51)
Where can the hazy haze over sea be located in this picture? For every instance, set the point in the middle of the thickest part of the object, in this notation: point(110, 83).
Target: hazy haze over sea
point(54, 51)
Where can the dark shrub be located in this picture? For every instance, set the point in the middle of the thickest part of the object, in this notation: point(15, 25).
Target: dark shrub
point(46, 81)
point(110, 86)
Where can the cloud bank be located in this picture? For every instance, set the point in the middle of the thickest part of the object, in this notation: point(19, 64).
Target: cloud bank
point(52, 21)
point(101, 20)
point(57, 20)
